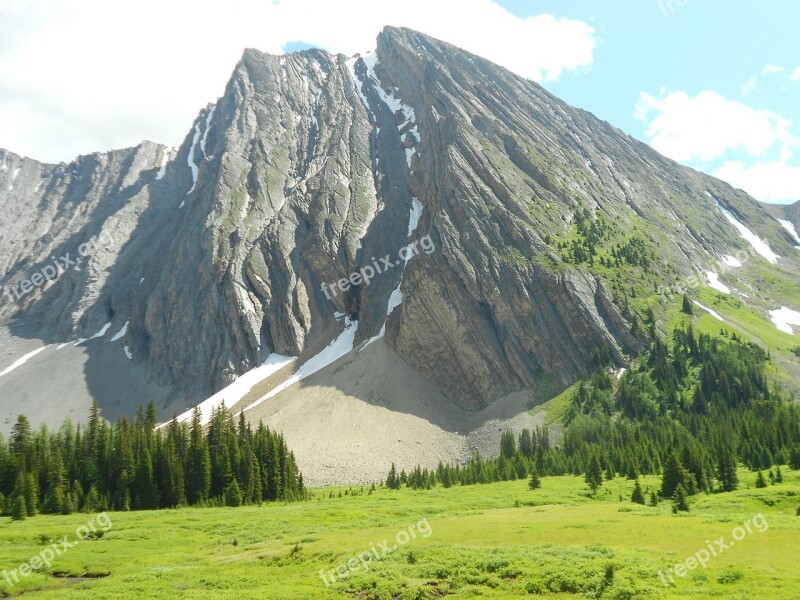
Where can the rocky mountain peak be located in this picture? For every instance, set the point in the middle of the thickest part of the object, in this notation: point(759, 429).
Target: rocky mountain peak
point(456, 190)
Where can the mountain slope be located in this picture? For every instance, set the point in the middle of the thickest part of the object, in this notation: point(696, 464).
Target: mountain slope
point(312, 167)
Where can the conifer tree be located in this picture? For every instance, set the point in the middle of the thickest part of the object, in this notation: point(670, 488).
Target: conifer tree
point(594, 474)
point(760, 482)
point(727, 470)
point(393, 481)
point(638, 495)
point(233, 494)
point(681, 501)
point(508, 446)
point(198, 478)
point(18, 509)
point(687, 305)
point(674, 475)
point(535, 482)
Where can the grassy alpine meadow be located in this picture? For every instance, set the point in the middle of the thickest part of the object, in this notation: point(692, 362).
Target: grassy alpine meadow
point(499, 540)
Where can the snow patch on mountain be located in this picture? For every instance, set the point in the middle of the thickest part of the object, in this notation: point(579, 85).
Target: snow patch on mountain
point(713, 313)
point(395, 105)
point(330, 354)
point(789, 226)
point(163, 169)
point(396, 297)
point(416, 213)
point(209, 116)
point(21, 361)
point(99, 334)
point(731, 261)
point(121, 333)
point(190, 158)
point(784, 318)
point(714, 282)
point(756, 242)
point(237, 390)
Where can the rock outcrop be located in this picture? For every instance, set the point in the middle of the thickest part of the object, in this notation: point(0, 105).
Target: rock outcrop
point(311, 167)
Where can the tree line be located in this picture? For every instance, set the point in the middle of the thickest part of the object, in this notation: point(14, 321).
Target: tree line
point(691, 411)
point(131, 465)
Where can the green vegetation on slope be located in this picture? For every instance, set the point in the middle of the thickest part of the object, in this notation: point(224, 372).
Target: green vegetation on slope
point(691, 410)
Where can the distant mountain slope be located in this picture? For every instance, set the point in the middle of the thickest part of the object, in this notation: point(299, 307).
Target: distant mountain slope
point(787, 213)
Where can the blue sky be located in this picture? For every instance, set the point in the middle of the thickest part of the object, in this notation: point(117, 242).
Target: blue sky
point(689, 46)
point(714, 84)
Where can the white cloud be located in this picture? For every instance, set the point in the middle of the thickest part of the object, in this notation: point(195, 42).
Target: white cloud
point(92, 75)
point(771, 69)
point(768, 181)
point(712, 133)
point(752, 83)
point(796, 75)
point(706, 126)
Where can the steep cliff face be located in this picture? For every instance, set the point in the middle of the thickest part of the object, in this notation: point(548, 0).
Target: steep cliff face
point(311, 167)
point(63, 226)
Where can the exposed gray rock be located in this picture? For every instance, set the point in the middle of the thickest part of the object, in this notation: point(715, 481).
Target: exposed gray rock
point(305, 171)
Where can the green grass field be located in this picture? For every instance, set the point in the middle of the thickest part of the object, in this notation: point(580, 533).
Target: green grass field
point(496, 541)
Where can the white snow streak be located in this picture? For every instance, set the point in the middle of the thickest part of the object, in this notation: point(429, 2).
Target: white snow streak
point(714, 282)
point(334, 351)
point(127, 353)
point(164, 161)
point(714, 314)
point(394, 104)
point(190, 158)
point(784, 318)
point(351, 66)
point(416, 213)
point(239, 388)
point(756, 242)
point(99, 334)
point(395, 300)
point(731, 261)
point(24, 359)
point(789, 226)
point(209, 116)
point(396, 297)
point(319, 70)
point(121, 333)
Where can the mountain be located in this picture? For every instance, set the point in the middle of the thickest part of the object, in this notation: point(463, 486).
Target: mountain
point(543, 238)
point(786, 212)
